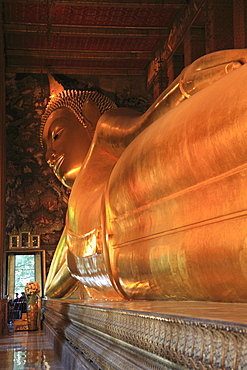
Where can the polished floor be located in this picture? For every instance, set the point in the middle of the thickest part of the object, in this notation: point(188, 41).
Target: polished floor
point(27, 350)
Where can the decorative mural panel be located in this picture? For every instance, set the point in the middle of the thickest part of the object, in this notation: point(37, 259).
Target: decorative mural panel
point(36, 200)
point(48, 258)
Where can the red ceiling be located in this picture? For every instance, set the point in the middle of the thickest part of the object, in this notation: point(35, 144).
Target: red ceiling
point(110, 37)
point(142, 16)
point(58, 42)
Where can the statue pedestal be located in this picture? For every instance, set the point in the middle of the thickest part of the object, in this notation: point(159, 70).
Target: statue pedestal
point(147, 334)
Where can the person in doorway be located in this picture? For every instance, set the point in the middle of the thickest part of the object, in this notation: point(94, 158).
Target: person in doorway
point(23, 305)
point(17, 309)
point(16, 301)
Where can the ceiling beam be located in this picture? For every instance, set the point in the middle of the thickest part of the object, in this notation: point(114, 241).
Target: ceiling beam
point(74, 54)
point(85, 30)
point(77, 71)
point(175, 4)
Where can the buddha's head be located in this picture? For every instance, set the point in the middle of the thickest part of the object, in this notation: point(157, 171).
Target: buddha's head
point(67, 130)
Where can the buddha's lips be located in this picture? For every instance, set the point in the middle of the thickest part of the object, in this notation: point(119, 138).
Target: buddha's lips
point(58, 163)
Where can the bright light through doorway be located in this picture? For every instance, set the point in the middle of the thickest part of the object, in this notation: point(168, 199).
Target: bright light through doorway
point(24, 271)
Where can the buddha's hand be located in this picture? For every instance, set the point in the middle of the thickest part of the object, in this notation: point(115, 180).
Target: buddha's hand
point(210, 68)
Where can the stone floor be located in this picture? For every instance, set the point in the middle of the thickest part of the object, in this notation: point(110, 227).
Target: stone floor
point(27, 350)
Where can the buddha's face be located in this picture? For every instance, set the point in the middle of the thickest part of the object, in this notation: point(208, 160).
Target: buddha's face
point(66, 144)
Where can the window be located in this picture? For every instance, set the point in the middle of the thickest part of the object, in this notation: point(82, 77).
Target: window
point(24, 271)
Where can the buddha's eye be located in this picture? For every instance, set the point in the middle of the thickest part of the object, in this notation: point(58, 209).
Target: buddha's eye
point(56, 134)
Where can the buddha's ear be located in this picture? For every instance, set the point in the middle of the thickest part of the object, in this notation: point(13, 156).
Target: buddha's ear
point(91, 113)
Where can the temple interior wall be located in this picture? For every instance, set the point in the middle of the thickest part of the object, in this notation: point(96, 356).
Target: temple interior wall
point(27, 184)
point(28, 198)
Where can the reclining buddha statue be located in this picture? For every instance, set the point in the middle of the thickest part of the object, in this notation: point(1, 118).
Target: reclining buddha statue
point(158, 200)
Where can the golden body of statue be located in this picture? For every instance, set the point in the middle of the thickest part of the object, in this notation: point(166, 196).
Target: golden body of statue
point(158, 202)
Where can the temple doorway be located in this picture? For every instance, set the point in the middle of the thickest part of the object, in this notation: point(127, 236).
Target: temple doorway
point(23, 268)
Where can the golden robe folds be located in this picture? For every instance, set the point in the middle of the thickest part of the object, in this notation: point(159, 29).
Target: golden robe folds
point(164, 218)
point(174, 210)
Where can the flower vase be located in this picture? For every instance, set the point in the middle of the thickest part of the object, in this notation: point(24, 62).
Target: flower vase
point(32, 313)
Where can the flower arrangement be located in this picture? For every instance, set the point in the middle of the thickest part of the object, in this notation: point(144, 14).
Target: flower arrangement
point(32, 290)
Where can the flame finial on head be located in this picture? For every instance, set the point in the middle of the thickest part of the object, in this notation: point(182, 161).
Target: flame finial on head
point(55, 87)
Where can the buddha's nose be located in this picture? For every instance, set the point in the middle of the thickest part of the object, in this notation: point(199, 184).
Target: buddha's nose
point(50, 157)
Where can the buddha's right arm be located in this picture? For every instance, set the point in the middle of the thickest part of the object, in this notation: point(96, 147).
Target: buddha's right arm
point(117, 128)
point(59, 282)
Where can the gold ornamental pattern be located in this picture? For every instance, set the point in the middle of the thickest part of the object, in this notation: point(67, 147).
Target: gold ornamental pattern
point(160, 340)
